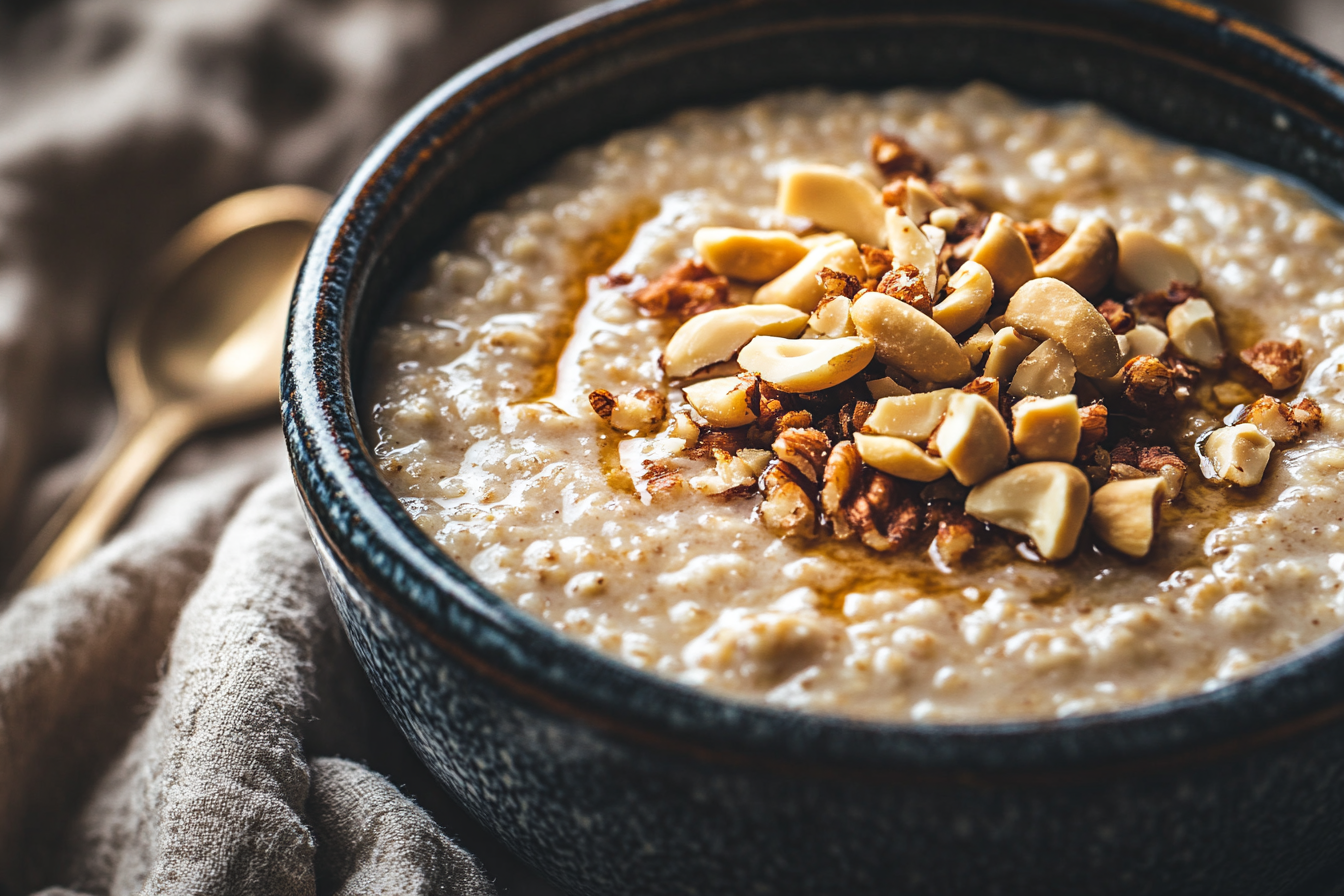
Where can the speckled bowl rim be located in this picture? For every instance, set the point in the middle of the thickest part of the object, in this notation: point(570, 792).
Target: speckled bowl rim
point(357, 519)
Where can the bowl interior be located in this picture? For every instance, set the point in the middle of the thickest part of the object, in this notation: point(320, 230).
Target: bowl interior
point(1186, 71)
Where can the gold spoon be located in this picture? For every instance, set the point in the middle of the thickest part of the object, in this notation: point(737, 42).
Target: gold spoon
point(201, 351)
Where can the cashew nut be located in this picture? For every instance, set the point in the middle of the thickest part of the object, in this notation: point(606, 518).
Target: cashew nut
point(973, 439)
point(1051, 309)
point(1125, 513)
point(901, 458)
point(1149, 264)
point(1006, 254)
point(798, 287)
point(717, 335)
point(805, 365)
point(1047, 428)
point(1086, 260)
point(908, 340)
point(970, 292)
point(836, 199)
point(1046, 501)
point(751, 255)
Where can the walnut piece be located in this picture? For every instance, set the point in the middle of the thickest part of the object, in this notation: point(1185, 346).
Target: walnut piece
point(1042, 238)
point(806, 450)
point(876, 262)
point(1149, 385)
point(787, 511)
point(603, 403)
point(907, 284)
point(894, 157)
point(688, 288)
point(1280, 363)
point(1121, 321)
point(883, 516)
point(840, 479)
point(1093, 422)
point(838, 283)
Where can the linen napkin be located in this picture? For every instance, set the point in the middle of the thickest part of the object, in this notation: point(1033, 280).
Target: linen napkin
point(181, 713)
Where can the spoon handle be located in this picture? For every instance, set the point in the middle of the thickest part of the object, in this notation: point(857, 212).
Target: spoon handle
point(136, 450)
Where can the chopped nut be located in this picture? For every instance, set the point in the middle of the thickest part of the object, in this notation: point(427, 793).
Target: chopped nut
point(1282, 422)
point(1280, 363)
point(734, 475)
point(1006, 351)
point(1047, 372)
point(913, 197)
point(687, 289)
point(1005, 254)
point(641, 410)
point(1125, 514)
point(1046, 501)
point(1121, 321)
point(886, 387)
point(603, 403)
point(987, 387)
point(1149, 385)
point(1194, 333)
point(955, 537)
point(946, 219)
point(1042, 238)
point(1163, 462)
point(724, 401)
point(790, 420)
point(842, 477)
point(972, 439)
point(977, 344)
point(912, 417)
point(716, 336)
point(1146, 339)
point(1153, 307)
point(806, 449)
point(1124, 472)
point(1092, 427)
point(1047, 428)
point(1051, 309)
point(878, 512)
point(654, 465)
point(908, 340)
point(906, 284)
point(834, 198)
point(751, 255)
point(970, 292)
point(1149, 264)
point(894, 157)
point(876, 262)
point(798, 287)
point(1087, 259)
point(901, 458)
point(805, 365)
point(831, 319)
point(1235, 454)
point(787, 510)
point(835, 283)
point(730, 440)
point(684, 428)
point(910, 246)
point(1307, 413)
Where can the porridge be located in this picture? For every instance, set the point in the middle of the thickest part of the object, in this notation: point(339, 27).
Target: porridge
point(918, 405)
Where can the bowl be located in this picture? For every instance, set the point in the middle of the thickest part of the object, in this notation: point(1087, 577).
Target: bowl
point(611, 781)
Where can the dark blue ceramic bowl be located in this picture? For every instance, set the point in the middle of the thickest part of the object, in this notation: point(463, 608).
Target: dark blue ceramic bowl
point(611, 781)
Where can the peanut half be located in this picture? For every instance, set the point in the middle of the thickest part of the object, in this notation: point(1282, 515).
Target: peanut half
point(1194, 332)
point(970, 292)
point(908, 340)
point(1125, 514)
point(1047, 428)
point(751, 255)
point(1045, 501)
point(798, 287)
point(717, 335)
point(1006, 254)
point(724, 401)
point(1051, 309)
point(972, 439)
point(805, 365)
point(1149, 264)
point(836, 199)
point(901, 458)
point(1087, 259)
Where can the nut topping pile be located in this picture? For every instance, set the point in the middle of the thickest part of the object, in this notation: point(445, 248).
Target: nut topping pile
point(913, 370)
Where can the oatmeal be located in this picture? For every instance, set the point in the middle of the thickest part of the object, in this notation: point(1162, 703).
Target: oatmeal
point(918, 405)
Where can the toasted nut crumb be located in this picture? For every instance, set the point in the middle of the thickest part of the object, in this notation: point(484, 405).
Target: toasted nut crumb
point(1235, 454)
point(837, 283)
point(641, 410)
point(901, 458)
point(1051, 309)
point(1280, 363)
point(973, 440)
point(1047, 428)
point(1307, 413)
point(1007, 350)
point(977, 344)
point(729, 440)
point(1125, 514)
point(910, 245)
point(1043, 238)
point(1086, 260)
point(840, 479)
point(912, 417)
point(790, 420)
point(1121, 321)
point(906, 283)
point(685, 290)
point(1153, 307)
point(835, 199)
point(1278, 420)
point(1046, 501)
point(1162, 461)
point(1194, 332)
point(787, 510)
point(876, 261)
point(684, 428)
point(894, 157)
point(724, 401)
point(1092, 427)
point(733, 474)
point(806, 449)
point(831, 319)
point(1149, 264)
point(1149, 385)
point(987, 387)
point(751, 255)
point(602, 402)
point(1006, 255)
point(716, 336)
point(970, 292)
point(798, 287)
point(955, 537)
point(908, 340)
point(805, 365)
point(1047, 372)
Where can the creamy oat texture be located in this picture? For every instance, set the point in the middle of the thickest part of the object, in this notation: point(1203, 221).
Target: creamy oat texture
point(476, 406)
